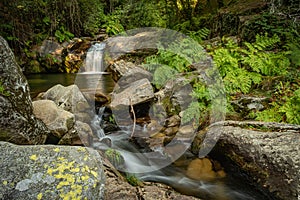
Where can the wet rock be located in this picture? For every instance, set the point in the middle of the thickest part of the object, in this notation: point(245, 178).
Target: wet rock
point(267, 152)
point(187, 131)
point(68, 98)
point(175, 96)
point(118, 188)
point(17, 121)
point(173, 121)
point(50, 172)
point(96, 97)
point(202, 169)
point(57, 120)
point(50, 46)
point(134, 43)
point(138, 92)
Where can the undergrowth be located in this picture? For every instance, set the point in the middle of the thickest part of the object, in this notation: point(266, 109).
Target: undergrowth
point(244, 70)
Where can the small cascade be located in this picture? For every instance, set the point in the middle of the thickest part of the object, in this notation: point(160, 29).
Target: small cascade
point(97, 123)
point(143, 166)
point(94, 59)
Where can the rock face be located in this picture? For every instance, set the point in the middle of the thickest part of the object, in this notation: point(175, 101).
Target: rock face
point(17, 122)
point(50, 172)
point(268, 152)
point(142, 42)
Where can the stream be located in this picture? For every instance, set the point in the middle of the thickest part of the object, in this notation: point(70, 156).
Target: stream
point(232, 187)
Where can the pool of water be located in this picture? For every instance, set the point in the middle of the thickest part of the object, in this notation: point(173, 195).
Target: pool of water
point(42, 82)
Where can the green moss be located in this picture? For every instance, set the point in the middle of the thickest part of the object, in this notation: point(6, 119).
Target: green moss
point(114, 157)
point(3, 90)
point(133, 180)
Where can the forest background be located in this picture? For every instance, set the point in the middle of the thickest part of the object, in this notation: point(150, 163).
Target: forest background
point(261, 60)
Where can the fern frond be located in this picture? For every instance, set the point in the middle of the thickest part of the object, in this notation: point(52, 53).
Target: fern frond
point(163, 74)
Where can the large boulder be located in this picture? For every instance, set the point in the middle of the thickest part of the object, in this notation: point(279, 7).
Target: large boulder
point(137, 92)
point(70, 99)
point(57, 120)
point(268, 152)
point(141, 43)
point(65, 130)
point(17, 121)
point(125, 73)
point(50, 172)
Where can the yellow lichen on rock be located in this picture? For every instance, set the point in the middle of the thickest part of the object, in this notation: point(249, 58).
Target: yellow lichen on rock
point(39, 196)
point(33, 157)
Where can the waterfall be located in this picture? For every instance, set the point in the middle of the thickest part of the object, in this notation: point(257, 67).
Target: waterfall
point(94, 58)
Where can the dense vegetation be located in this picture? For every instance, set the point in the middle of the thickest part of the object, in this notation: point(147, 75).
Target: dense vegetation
point(261, 60)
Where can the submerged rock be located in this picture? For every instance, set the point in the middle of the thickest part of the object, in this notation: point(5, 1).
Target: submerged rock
point(268, 152)
point(202, 169)
point(50, 172)
point(17, 121)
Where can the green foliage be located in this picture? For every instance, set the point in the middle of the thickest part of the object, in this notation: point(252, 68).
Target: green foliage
point(114, 157)
point(133, 180)
point(241, 68)
point(266, 62)
point(63, 35)
point(3, 90)
point(291, 108)
point(91, 16)
point(163, 74)
point(144, 13)
point(112, 24)
point(285, 106)
point(176, 59)
point(199, 35)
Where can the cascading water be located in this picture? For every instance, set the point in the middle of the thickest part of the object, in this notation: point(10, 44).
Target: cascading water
point(134, 161)
point(94, 59)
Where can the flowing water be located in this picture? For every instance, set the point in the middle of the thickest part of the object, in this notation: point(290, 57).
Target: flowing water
point(94, 62)
point(229, 188)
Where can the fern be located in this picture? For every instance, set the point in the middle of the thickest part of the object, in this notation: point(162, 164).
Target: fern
point(291, 108)
point(192, 113)
point(269, 115)
point(262, 61)
point(163, 74)
point(199, 35)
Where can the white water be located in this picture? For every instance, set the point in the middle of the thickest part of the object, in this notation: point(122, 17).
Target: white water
point(94, 62)
point(145, 170)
